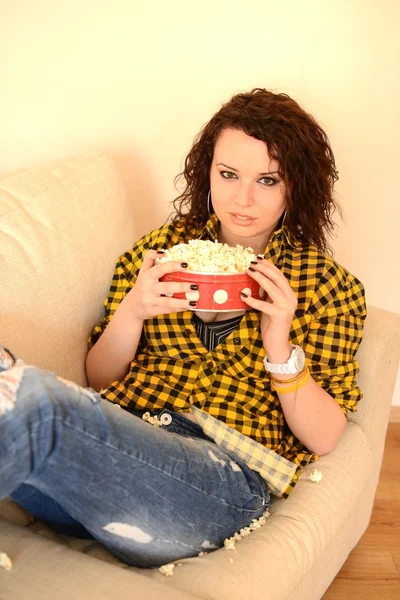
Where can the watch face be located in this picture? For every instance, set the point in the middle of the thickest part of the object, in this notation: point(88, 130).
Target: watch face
point(299, 359)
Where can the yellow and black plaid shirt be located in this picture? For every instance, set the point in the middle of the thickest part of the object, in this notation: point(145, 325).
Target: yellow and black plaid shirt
point(228, 388)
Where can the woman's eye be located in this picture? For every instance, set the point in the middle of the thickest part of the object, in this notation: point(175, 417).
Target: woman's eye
point(268, 181)
point(227, 174)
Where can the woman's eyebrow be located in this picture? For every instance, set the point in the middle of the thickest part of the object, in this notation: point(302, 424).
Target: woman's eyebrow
point(233, 169)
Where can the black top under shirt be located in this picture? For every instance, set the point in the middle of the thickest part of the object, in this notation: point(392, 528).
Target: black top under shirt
point(212, 334)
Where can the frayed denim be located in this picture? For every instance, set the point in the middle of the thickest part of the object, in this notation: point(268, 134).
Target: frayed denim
point(151, 495)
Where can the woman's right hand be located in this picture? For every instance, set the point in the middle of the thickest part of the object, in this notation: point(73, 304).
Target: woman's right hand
point(148, 296)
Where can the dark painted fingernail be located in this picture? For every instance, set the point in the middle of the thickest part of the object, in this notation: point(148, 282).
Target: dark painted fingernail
point(253, 262)
point(251, 269)
point(260, 257)
point(244, 295)
point(193, 303)
point(160, 252)
point(184, 265)
point(162, 295)
point(194, 287)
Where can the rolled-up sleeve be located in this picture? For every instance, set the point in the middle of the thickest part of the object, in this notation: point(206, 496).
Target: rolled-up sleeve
point(123, 280)
point(334, 336)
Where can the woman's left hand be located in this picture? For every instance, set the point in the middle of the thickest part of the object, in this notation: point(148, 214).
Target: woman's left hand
point(277, 310)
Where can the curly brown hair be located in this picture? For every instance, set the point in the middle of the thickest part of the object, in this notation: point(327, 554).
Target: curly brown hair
point(294, 139)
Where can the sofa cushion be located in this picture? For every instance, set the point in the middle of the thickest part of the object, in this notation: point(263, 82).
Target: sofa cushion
point(62, 228)
point(47, 571)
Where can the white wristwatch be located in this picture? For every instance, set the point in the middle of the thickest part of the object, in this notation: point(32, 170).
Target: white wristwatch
point(294, 365)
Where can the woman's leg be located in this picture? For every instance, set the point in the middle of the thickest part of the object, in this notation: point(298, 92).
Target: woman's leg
point(148, 494)
point(31, 499)
point(49, 511)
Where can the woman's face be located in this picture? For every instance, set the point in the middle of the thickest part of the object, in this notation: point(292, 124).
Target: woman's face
point(247, 193)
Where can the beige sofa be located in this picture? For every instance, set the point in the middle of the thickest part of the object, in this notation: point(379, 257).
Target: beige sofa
point(62, 227)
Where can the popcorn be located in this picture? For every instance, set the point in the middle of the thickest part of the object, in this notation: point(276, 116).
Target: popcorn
point(204, 256)
point(229, 543)
point(152, 420)
point(5, 561)
point(168, 569)
point(315, 476)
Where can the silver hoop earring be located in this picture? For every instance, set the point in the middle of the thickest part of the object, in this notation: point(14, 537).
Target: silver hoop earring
point(284, 217)
point(209, 203)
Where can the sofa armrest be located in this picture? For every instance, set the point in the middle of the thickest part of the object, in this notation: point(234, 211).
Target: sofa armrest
point(378, 357)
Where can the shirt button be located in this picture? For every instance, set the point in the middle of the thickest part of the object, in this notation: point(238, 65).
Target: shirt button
point(210, 364)
point(166, 419)
point(237, 340)
point(187, 332)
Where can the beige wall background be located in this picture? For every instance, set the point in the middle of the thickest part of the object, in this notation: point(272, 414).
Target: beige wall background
point(139, 79)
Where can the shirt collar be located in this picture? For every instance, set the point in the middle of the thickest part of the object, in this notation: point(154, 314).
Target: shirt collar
point(212, 227)
point(283, 235)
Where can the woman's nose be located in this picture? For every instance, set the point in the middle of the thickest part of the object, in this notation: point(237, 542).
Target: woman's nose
point(244, 196)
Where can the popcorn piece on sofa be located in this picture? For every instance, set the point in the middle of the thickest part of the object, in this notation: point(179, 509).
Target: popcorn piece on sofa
point(168, 569)
point(229, 543)
point(315, 476)
point(5, 561)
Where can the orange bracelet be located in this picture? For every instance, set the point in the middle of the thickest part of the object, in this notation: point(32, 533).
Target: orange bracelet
point(292, 388)
point(292, 379)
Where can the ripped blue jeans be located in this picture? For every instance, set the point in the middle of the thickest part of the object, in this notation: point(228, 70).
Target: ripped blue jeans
point(151, 495)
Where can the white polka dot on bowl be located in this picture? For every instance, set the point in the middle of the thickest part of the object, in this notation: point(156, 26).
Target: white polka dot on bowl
point(246, 291)
point(192, 295)
point(220, 296)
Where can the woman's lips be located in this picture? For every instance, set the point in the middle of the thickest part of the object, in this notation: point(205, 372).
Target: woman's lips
point(241, 220)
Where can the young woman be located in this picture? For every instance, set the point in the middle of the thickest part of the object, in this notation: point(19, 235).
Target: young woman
point(242, 403)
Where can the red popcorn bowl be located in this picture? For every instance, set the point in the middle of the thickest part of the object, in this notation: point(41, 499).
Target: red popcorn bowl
point(217, 292)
